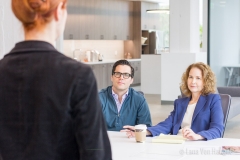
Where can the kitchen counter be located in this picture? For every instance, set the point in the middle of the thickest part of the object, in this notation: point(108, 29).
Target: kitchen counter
point(110, 61)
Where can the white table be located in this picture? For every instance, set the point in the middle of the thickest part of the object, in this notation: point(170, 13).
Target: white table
point(124, 148)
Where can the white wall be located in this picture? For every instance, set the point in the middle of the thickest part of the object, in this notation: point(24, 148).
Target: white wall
point(205, 26)
point(11, 30)
point(184, 26)
point(184, 46)
point(173, 65)
point(151, 73)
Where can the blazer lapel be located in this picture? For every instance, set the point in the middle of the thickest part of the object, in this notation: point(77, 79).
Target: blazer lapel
point(181, 112)
point(183, 109)
point(200, 104)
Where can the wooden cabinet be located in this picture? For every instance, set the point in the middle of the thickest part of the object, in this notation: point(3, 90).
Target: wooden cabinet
point(145, 46)
point(143, 23)
point(103, 73)
point(96, 72)
point(154, 18)
point(99, 20)
point(149, 21)
point(81, 18)
point(149, 47)
point(137, 72)
point(103, 79)
point(72, 30)
point(127, 12)
point(109, 75)
point(144, 16)
point(120, 25)
point(125, 20)
point(115, 25)
point(88, 22)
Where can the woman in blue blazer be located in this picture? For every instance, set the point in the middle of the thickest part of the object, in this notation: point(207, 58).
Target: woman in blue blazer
point(197, 116)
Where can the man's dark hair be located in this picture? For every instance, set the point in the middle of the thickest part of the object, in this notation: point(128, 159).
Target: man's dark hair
point(123, 62)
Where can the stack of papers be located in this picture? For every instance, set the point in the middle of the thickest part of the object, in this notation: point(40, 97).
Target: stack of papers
point(177, 139)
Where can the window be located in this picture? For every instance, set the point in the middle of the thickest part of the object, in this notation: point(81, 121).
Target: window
point(224, 41)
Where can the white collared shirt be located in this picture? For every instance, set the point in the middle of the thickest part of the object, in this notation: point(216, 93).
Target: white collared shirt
point(119, 104)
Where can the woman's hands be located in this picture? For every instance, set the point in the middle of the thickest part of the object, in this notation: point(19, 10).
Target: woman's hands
point(189, 134)
point(130, 131)
point(186, 132)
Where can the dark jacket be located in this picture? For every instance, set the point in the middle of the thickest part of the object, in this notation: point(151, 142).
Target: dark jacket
point(207, 119)
point(49, 107)
point(134, 110)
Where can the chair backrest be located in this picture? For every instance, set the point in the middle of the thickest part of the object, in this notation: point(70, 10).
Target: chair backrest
point(226, 103)
point(182, 95)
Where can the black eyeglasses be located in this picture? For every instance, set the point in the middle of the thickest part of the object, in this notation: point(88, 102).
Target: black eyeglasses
point(119, 74)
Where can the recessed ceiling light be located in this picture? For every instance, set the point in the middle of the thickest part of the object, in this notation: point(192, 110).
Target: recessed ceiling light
point(158, 11)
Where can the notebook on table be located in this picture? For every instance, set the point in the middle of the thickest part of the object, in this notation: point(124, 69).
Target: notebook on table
point(175, 139)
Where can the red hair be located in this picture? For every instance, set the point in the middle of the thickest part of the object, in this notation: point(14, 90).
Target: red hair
point(35, 13)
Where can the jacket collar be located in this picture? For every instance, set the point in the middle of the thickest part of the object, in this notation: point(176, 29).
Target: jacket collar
point(181, 110)
point(200, 104)
point(129, 93)
point(32, 45)
point(183, 107)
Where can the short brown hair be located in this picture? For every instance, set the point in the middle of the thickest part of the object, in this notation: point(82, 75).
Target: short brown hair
point(209, 80)
point(35, 13)
point(123, 62)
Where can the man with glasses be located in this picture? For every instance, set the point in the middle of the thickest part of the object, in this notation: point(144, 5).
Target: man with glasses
point(122, 105)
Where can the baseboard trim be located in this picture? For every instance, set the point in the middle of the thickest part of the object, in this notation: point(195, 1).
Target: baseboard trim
point(167, 102)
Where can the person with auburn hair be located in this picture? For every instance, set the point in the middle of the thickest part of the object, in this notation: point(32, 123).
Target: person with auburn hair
point(197, 116)
point(49, 105)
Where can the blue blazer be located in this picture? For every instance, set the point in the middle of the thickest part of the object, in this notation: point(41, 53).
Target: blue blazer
point(207, 119)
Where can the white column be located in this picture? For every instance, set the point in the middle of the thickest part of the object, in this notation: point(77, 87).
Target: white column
point(2, 43)
point(205, 26)
point(172, 67)
point(184, 26)
point(184, 46)
point(151, 73)
point(11, 30)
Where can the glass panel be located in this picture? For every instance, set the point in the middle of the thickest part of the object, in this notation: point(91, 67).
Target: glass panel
point(164, 26)
point(224, 41)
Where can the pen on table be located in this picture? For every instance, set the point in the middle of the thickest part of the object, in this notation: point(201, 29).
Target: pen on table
point(130, 129)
